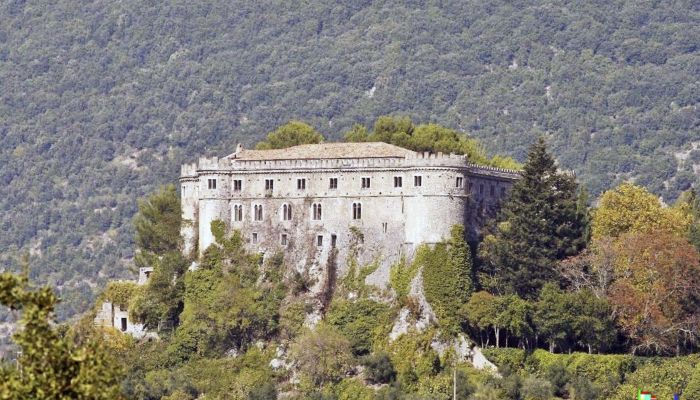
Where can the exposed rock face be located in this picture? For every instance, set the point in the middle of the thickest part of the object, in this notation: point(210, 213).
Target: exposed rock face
point(407, 322)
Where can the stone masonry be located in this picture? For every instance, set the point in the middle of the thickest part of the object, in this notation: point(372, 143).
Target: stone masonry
point(321, 202)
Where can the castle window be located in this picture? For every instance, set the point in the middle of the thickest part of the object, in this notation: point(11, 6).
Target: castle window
point(237, 212)
point(254, 237)
point(316, 212)
point(269, 184)
point(459, 182)
point(365, 183)
point(287, 212)
point(481, 188)
point(385, 225)
point(237, 185)
point(356, 210)
point(319, 240)
point(258, 212)
point(398, 181)
point(211, 183)
point(123, 323)
point(417, 180)
point(334, 240)
point(333, 183)
point(283, 239)
point(183, 189)
point(301, 184)
point(493, 190)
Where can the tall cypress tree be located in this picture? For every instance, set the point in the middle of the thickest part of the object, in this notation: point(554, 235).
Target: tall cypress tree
point(541, 222)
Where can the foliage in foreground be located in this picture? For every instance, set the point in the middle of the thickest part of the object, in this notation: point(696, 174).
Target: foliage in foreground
point(51, 366)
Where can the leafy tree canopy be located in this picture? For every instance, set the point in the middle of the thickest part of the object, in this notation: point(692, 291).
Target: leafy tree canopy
point(401, 131)
point(290, 134)
point(631, 208)
point(540, 223)
point(50, 366)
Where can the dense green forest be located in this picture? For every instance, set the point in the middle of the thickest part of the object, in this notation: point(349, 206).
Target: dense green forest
point(101, 102)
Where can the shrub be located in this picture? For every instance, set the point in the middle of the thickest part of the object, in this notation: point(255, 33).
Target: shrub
point(378, 368)
point(361, 321)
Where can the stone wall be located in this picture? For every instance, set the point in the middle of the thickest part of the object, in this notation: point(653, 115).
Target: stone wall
point(435, 192)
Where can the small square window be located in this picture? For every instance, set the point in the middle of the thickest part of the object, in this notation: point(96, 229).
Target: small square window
point(398, 181)
point(283, 239)
point(459, 182)
point(319, 240)
point(237, 185)
point(417, 180)
point(269, 184)
point(211, 183)
point(333, 183)
point(365, 183)
point(301, 184)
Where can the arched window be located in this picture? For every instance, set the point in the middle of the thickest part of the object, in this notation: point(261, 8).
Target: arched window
point(356, 210)
point(258, 212)
point(287, 212)
point(238, 212)
point(316, 215)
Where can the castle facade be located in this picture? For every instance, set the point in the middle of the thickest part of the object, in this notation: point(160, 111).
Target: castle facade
point(321, 201)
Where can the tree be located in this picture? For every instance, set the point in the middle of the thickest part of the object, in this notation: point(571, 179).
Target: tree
point(401, 131)
point(158, 221)
point(540, 223)
point(480, 313)
point(689, 202)
point(322, 355)
point(593, 324)
point(655, 292)
point(292, 133)
point(553, 317)
point(158, 241)
point(631, 208)
point(50, 366)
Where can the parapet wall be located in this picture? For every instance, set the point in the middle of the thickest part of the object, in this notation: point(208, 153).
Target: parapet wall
point(417, 160)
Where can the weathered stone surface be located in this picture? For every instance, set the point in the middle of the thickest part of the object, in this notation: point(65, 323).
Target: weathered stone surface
point(377, 202)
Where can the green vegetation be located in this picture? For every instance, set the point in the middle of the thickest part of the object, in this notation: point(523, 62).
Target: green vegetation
point(101, 103)
point(290, 134)
point(50, 365)
point(402, 132)
point(539, 224)
point(447, 278)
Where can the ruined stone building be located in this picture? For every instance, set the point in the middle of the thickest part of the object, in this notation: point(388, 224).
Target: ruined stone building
point(317, 203)
point(113, 316)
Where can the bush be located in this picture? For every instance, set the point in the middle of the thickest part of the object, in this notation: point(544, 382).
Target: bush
point(378, 368)
point(534, 388)
point(361, 321)
point(513, 359)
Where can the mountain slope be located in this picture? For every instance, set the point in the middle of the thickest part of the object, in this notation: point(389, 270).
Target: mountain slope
point(101, 102)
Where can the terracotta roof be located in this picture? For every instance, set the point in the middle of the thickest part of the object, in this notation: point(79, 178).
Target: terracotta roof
point(325, 150)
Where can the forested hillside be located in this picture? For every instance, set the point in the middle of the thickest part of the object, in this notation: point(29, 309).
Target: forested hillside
point(100, 101)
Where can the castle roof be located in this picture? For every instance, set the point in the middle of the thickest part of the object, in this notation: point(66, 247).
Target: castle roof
point(325, 151)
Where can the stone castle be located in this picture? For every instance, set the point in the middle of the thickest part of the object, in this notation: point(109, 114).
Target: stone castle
point(318, 203)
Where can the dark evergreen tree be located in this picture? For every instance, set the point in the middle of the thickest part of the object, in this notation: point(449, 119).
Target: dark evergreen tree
point(158, 241)
point(541, 222)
